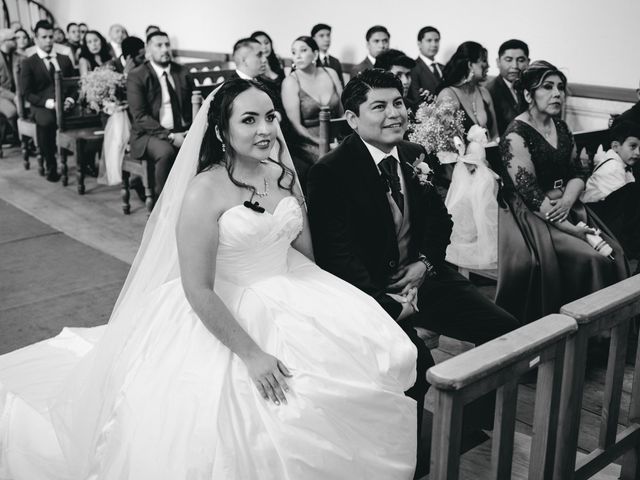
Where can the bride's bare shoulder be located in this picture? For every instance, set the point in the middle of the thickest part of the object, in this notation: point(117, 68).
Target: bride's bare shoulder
point(208, 192)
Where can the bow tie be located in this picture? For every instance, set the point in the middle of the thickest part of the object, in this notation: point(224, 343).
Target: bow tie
point(628, 168)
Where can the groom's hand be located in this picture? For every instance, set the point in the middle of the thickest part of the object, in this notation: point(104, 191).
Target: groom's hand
point(407, 278)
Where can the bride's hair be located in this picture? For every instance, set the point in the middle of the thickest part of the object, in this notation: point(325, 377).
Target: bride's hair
point(214, 152)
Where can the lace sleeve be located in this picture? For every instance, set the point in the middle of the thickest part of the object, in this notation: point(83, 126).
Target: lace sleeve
point(517, 160)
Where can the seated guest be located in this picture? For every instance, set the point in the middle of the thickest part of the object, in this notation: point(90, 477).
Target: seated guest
point(309, 88)
point(73, 40)
point(23, 42)
point(461, 85)
point(396, 62)
point(274, 72)
point(134, 53)
point(83, 30)
point(612, 191)
point(249, 58)
point(321, 33)
point(8, 71)
point(117, 34)
point(59, 36)
point(37, 79)
point(94, 53)
point(150, 29)
point(159, 96)
point(377, 42)
point(426, 76)
point(513, 58)
point(545, 259)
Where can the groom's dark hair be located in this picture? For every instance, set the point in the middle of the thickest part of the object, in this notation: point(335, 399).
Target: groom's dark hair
point(356, 91)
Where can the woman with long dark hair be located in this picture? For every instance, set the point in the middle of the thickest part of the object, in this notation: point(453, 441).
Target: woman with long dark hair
point(94, 52)
point(275, 72)
point(461, 85)
point(227, 354)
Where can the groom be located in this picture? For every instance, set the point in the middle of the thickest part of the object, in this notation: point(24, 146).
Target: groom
point(374, 225)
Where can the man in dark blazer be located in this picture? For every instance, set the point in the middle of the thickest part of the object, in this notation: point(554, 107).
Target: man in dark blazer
point(321, 33)
point(377, 42)
point(249, 58)
point(159, 97)
point(426, 76)
point(37, 80)
point(376, 225)
point(513, 59)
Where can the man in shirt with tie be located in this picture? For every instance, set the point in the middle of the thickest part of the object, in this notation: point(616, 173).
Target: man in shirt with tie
point(321, 33)
point(377, 226)
point(159, 96)
point(513, 59)
point(378, 38)
point(38, 84)
point(426, 76)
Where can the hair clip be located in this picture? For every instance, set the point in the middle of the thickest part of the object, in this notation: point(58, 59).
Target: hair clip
point(255, 206)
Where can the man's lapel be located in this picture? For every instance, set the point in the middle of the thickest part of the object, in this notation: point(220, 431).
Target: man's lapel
point(507, 95)
point(410, 182)
point(371, 186)
point(156, 90)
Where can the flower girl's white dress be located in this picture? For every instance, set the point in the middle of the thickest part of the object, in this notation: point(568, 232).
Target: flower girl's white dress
point(186, 407)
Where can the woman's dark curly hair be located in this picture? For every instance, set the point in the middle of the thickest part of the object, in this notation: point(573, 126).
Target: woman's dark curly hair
point(457, 68)
point(274, 61)
point(214, 152)
point(104, 54)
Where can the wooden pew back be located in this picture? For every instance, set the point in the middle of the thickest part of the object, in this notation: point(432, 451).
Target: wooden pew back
point(498, 365)
point(80, 115)
point(207, 82)
point(613, 310)
point(331, 130)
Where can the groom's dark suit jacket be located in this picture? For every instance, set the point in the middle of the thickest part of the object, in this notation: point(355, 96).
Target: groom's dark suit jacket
point(354, 236)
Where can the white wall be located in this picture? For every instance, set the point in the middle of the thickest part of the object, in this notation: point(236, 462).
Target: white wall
point(593, 41)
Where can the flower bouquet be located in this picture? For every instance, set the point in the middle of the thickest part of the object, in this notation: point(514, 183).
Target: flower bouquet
point(104, 91)
point(435, 127)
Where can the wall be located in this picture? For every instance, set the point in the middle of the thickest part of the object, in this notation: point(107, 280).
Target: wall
point(593, 41)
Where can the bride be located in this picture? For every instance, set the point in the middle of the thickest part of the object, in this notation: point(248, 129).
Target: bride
point(229, 354)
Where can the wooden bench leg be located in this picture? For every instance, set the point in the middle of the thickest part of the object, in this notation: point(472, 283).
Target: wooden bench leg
point(126, 194)
point(25, 152)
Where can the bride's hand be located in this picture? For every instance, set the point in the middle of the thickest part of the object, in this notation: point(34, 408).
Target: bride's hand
point(269, 375)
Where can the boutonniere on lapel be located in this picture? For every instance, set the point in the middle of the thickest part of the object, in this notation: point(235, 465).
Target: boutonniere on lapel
point(421, 170)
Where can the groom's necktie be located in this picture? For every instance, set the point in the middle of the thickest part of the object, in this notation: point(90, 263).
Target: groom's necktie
point(389, 169)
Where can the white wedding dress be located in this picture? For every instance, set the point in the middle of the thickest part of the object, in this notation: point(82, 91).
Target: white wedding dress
point(185, 407)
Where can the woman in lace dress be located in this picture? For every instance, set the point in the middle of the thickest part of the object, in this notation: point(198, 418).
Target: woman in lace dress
point(230, 355)
point(544, 258)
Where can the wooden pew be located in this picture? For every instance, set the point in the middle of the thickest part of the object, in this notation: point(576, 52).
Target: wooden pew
point(331, 130)
point(498, 365)
point(611, 309)
point(207, 82)
point(79, 130)
point(587, 144)
point(26, 127)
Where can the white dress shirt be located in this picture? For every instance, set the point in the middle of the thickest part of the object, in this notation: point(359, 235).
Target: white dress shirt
point(511, 89)
point(166, 113)
point(378, 155)
point(117, 51)
point(243, 75)
point(430, 63)
point(609, 174)
point(372, 60)
point(49, 103)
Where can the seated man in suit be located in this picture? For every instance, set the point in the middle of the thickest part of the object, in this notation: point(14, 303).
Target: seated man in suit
point(73, 40)
point(513, 59)
point(321, 33)
point(377, 42)
point(117, 34)
point(396, 62)
point(8, 70)
point(249, 59)
point(159, 96)
point(37, 79)
point(426, 76)
point(377, 226)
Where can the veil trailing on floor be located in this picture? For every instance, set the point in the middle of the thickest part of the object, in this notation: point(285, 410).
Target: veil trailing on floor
point(82, 411)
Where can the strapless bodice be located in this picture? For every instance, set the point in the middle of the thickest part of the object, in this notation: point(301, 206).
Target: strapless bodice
point(252, 245)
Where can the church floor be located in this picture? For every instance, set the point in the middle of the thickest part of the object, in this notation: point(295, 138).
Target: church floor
point(64, 258)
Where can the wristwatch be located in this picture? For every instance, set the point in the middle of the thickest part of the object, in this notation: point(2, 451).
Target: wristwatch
point(431, 270)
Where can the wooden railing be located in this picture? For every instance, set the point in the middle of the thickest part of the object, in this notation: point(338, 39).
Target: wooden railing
point(498, 365)
point(609, 310)
point(557, 346)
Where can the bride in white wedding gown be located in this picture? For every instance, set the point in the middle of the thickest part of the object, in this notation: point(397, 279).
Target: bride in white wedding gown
point(229, 354)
